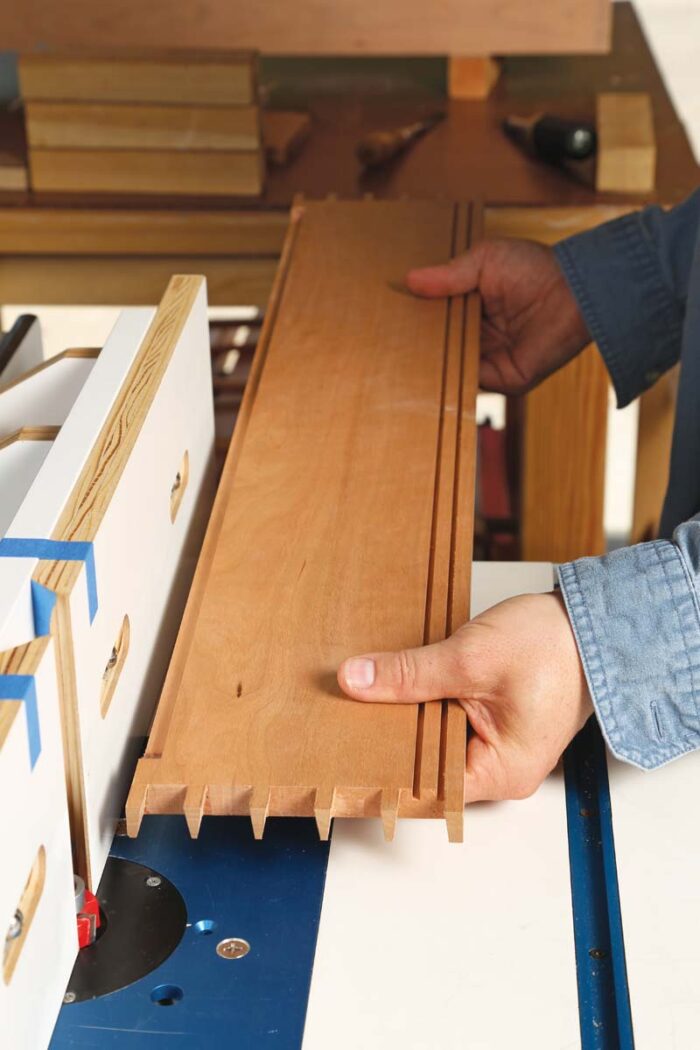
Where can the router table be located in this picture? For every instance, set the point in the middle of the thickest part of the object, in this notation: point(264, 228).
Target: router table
point(569, 919)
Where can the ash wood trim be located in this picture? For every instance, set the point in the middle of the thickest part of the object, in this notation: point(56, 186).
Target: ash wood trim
point(276, 738)
point(325, 27)
point(159, 78)
point(77, 231)
point(98, 125)
point(204, 173)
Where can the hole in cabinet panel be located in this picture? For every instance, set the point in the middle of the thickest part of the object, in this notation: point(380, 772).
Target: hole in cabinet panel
point(177, 490)
point(26, 908)
point(114, 666)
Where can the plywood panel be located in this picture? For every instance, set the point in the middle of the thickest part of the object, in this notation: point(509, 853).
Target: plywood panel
point(465, 27)
point(320, 539)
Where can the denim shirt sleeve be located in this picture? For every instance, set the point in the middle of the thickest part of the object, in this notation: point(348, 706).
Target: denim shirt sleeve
point(630, 278)
point(636, 617)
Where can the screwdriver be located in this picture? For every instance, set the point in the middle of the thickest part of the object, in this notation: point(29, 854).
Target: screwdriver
point(554, 139)
point(379, 147)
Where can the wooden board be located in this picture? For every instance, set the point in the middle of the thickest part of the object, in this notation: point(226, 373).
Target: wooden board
point(626, 156)
point(333, 27)
point(424, 967)
point(118, 281)
point(333, 533)
point(207, 172)
point(98, 125)
point(187, 78)
point(176, 232)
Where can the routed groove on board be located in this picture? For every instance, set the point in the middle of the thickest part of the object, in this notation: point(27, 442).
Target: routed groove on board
point(336, 530)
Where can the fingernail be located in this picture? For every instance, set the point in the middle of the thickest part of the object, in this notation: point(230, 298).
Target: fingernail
point(359, 674)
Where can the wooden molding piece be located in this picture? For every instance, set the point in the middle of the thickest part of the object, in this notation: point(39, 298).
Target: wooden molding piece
point(320, 27)
point(471, 77)
point(343, 524)
point(626, 158)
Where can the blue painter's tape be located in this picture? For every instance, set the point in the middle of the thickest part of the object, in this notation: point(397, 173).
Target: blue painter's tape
point(22, 687)
point(603, 993)
point(43, 600)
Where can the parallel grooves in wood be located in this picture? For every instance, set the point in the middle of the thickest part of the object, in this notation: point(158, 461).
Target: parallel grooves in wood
point(158, 784)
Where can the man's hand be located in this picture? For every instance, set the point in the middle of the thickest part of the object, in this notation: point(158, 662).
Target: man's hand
point(516, 672)
point(532, 324)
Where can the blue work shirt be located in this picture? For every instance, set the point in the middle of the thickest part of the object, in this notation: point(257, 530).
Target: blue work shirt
point(636, 612)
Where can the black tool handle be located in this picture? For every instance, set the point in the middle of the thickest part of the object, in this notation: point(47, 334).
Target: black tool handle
point(556, 139)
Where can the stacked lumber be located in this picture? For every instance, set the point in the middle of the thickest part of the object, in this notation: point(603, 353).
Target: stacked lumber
point(343, 525)
point(105, 471)
point(171, 124)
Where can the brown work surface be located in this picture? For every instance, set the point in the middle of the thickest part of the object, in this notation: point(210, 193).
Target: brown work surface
point(334, 532)
point(467, 155)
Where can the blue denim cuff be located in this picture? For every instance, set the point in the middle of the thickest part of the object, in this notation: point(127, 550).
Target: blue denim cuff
point(617, 277)
point(635, 617)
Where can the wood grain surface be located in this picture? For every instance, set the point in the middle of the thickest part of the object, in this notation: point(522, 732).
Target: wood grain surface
point(102, 125)
point(333, 27)
point(328, 538)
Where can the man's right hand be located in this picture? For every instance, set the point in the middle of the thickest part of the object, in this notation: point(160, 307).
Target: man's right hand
point(531, 321)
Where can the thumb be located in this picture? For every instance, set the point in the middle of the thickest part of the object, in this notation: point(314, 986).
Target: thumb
point(456, 277)
point(432, 672)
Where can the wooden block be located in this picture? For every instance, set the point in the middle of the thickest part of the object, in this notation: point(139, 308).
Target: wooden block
point(173, 232)
point(626, 158)
point(130, 281)
point(187, 78)
point(471, 77)
point(205, 173)
point(320, 27)
point(284, 133)
point(103, 125)
point(36, 874)
point(333, 436)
